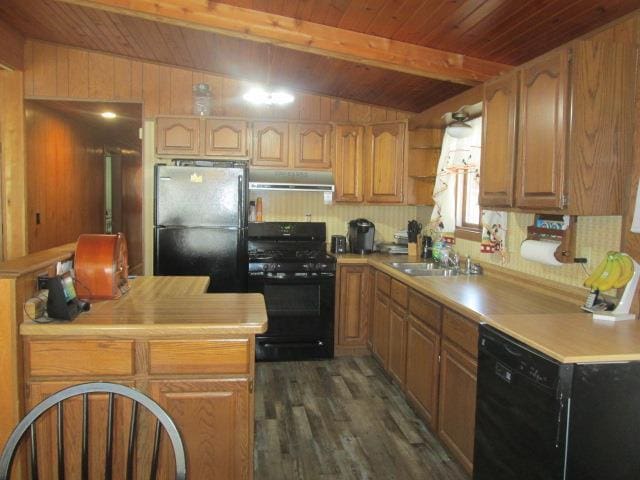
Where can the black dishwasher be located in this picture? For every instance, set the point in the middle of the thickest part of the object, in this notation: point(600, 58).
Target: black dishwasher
point(538, 419)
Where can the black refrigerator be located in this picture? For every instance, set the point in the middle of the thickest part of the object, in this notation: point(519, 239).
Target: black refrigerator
point(200, 223)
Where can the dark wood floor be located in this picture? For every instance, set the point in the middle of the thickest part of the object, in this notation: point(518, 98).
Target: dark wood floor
point(341, 419)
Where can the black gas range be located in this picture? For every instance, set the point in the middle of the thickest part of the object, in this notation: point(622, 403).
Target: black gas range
point(288, 263)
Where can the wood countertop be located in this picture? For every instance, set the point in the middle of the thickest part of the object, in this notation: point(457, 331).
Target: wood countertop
point(543, 321)
point(159, 306)
point(36, 261)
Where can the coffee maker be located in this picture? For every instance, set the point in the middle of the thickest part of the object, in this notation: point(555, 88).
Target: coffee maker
point(360, 235)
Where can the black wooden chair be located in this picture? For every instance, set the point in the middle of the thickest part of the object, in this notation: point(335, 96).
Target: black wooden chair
point(112, 389)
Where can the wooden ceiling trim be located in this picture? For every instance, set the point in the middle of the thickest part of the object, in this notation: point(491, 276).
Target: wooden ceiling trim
point(308, 37)
point(12, 51)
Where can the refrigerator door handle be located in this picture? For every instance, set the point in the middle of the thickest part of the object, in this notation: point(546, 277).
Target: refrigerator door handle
point(241, 201)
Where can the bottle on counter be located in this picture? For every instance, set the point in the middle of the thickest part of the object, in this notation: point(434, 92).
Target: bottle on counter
point(259, 209)
point(252, 211)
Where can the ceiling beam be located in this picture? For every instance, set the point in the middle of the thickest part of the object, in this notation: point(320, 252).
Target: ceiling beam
point(12, 51)
point(308, 37)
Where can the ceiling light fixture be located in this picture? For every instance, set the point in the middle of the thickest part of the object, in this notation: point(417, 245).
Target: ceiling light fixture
point(259, 96)
point(109, 115)
point(459, 129)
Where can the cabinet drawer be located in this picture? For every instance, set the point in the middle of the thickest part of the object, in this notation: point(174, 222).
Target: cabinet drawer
point(425, 310)
point(383, 282)
point(399, 293)
point(63, 358)
point(461, 331)
point(199, 356)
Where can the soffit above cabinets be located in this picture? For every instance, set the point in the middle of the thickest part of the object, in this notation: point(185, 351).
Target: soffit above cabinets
point(500, 32)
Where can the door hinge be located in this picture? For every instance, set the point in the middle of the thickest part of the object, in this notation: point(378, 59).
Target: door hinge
point(251, 386)
point(565, 200)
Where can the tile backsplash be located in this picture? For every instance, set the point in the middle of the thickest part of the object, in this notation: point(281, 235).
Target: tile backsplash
point(294, 206)
point(595, 237)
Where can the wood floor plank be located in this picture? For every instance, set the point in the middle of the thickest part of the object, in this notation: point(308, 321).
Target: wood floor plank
point(341, 419)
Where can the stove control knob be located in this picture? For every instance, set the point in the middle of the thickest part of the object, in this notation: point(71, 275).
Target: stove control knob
point(265, 267)
point(322, 267)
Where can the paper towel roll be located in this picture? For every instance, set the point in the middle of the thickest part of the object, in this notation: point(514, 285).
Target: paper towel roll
point(540, 251)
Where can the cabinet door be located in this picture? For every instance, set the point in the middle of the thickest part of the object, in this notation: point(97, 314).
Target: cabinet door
point(543, 120)
point(215, 424)
point(178, 136)
point(499, 117)
point(397, 343)
point(311, 145)
point(348, 164)
point(353, 306)
point(270, 144)
point(457, 407)
point(226, 138)
point(381, 328)
point(423, 350)
point(72, 414)
point(385, 166)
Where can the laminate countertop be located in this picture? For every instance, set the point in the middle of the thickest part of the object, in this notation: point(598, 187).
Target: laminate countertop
point(555, 326)
point(158, 306)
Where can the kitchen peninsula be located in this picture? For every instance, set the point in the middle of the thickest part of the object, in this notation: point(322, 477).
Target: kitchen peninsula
point(191, 352)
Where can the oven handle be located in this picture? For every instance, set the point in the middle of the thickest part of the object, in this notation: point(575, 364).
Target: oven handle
point(292, 280)
point(317, 343)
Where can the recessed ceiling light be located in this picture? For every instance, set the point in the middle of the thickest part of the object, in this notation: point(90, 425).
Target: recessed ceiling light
point(108, 115)
point(259, 96)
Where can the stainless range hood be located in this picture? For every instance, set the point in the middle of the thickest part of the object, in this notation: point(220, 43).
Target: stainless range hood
point(290, 180)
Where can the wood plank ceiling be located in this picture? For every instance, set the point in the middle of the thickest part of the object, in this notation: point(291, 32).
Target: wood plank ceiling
point(504, 31)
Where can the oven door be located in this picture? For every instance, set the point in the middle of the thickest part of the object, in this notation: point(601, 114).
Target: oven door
point(300, 313)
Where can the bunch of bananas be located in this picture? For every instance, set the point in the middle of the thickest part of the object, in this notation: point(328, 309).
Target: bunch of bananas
point(614, 271)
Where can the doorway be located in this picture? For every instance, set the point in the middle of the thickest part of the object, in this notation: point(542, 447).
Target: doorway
point(69, 144)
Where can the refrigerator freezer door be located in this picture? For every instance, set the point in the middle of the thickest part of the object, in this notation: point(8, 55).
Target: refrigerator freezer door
point(200, 196)
point(216, 252)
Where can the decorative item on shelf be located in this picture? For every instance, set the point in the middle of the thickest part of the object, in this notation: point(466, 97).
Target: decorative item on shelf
point(551, 240)
point(202, 99)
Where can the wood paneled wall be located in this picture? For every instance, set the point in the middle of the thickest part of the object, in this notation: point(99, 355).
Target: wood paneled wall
point(65, 171)
point(59, 72)
point(13, 165)
point(12, 52)
point(131, 206)
point(55, 71)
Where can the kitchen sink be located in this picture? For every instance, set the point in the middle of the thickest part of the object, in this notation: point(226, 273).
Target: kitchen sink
point(422, 269)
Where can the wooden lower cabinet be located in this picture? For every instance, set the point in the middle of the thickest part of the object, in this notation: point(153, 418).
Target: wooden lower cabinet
point(397, 343)
point(72, 413)
point(204, 384)
point(353, 300)
point(457, 405)
point(216, 415)
point(380, 339)
point(423, 369)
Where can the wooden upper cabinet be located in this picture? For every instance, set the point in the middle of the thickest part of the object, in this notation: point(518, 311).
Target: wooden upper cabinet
point(385, 163)
point(311, 145)
point(178, 136)
point(499, 118)
point(270, 144)
point(543, 127)
point(348, 165)
point(226, 138)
